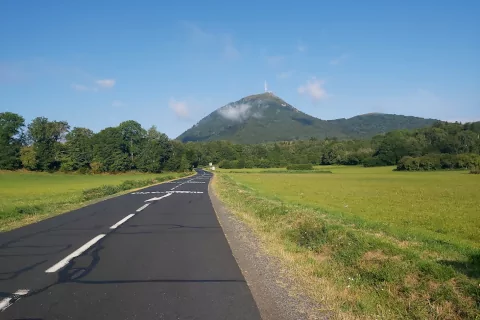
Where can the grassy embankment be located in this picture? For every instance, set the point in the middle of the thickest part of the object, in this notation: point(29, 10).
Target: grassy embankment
point(369, 242)
point(27, 197)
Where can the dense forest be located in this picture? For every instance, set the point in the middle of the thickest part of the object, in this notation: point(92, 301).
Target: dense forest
point(45, 145)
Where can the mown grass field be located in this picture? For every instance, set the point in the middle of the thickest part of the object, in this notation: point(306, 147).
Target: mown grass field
point(27, 197)
point(370, 242)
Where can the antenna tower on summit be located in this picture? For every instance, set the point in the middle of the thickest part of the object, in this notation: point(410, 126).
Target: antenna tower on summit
point(266, 88)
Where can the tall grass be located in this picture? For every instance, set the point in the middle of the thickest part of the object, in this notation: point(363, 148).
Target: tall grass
point(359, 263)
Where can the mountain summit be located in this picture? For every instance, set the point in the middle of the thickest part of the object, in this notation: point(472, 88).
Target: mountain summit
point(265, 117)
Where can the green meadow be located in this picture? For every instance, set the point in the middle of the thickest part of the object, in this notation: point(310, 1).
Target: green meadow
point(369, 242)
point(27, 197)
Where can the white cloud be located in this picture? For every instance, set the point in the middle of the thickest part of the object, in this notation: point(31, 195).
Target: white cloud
point(339, 59)
point(197, 34)
point(80, 87)
point(230, 52)
point(285, 74)
point(240, 112)
point(106, 83)
point(118, 103)
point(301, 47)
point(222, 41)
point(464, 120)
point(314, 89)
point(274, 61)
point(179, 107)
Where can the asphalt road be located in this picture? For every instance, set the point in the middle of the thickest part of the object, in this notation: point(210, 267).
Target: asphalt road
point(168, 260)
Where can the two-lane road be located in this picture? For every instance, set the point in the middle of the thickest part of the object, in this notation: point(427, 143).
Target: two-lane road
point(157, 253)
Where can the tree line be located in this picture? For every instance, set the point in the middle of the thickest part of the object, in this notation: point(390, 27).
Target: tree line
point(45, 145)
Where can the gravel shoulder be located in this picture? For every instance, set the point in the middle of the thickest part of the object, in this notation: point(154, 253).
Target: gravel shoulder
point(274, 292)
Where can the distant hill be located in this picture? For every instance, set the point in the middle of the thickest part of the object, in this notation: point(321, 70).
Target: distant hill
point(265, 117)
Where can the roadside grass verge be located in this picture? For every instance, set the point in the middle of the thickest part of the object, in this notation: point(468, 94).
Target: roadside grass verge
point(354, 267)
point(284, 171)
point(27, 197)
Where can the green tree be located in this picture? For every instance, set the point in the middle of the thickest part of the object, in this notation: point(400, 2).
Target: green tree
point(45, 136)
point(79, 148)
point(11, 126)
point(28, 158)
point(110, 151)
point(155, 151)
point(133, 135)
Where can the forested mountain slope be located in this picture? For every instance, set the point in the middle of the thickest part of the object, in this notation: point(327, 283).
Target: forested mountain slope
point(266, 117)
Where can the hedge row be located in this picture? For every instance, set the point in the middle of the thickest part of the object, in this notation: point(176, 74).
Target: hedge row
point(304, 166)
point(431, 162)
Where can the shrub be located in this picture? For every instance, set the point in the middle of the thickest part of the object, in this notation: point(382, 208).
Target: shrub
point(373, 162)
point(263, 163)
point(226, 164)
point(249, 164)
point(475, 170)
point(431, 162)
point(28, 210)
point(83, 170)
point(99, 192)
point(96, 167)
point(310, 234)
point(305, 166)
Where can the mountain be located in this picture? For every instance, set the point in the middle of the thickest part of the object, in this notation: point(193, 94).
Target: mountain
point(265, 117)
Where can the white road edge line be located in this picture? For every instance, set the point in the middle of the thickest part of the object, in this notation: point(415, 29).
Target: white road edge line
point(62, 263)
point(116, 225)
point(5, 303)
point(153, 199)
point(143, 207)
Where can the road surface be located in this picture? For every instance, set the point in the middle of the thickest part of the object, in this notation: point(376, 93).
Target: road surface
point(126, 258)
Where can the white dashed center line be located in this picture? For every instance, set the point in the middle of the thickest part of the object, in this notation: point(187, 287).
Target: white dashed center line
point(116, 225)
point(7, 302)
point(74, 254)
point(143, 207)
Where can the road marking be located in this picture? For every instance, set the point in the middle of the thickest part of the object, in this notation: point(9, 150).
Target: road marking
point(178, 185)
point(143, 207)
point(7, 302)
point(76, 253)
point(171, 192)
point(116, 225)
point(153, 199)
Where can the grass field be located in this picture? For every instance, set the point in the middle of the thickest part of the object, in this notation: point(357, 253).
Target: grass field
point(370, 242)
point(26, 197)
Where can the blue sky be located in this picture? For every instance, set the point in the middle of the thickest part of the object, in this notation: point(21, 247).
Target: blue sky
point(97, 63)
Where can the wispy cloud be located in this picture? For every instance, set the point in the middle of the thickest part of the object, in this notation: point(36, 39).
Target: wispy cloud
point(98, 84)
point(464, 120)
point(275, 61)
point(223, 41)
point(239, 113)
point(314, 89)
point(285, 75)
point(80, 87)
point(196, 33)
point(179, 107)
point(12, 74)
point(338, 60)
point(118, 104)
point(301, 47)
point(106, 83)
point(230, 52)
